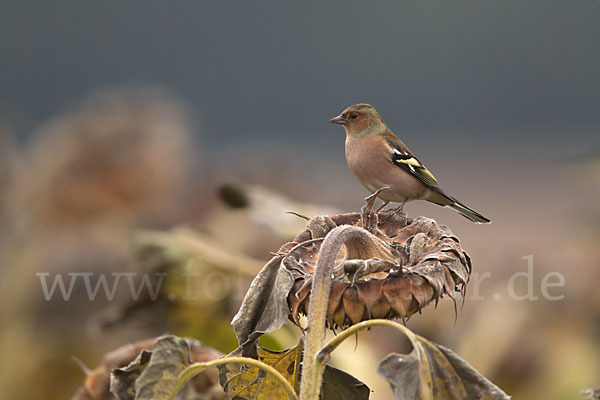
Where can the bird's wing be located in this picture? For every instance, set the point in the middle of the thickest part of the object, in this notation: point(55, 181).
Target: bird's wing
point(402, 157)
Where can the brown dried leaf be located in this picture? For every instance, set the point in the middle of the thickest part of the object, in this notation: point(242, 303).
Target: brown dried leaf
point(154, 374)
point(241, 381)
point(432, 371)
point(246, 382)
point(338, 385)
point(123, 379)
point(265, 306)
point(97, 382)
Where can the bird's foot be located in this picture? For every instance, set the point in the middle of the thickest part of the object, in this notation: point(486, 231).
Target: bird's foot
point(399, 211)
point(370, 200)
point(368, 216)
point(382, 206)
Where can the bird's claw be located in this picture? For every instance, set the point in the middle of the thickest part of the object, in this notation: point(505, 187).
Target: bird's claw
point(368, 216)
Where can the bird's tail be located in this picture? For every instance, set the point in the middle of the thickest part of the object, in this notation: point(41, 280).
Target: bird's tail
point(468, 213)
point(448, 201)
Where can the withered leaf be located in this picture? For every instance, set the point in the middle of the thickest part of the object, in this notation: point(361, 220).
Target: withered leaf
point(338, 385)
point(431, 371)
point(265, 306)
point(241, 381)
point(246, 382)
point(171, 355)
point(122, 380)
point(97, 382)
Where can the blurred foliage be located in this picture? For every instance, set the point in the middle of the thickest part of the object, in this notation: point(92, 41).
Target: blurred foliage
point(99, 189)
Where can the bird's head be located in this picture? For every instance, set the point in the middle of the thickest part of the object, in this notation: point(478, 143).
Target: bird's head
point(360, 120)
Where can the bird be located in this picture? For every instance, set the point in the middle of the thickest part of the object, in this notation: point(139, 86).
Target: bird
point(379, 159)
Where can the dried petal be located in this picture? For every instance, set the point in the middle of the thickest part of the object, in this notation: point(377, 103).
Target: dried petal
point(370, 294)
point(355, 309)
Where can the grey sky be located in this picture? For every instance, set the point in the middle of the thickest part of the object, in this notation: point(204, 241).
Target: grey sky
point(277, 68)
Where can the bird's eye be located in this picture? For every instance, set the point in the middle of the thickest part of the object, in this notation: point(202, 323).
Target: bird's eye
point(353, 115)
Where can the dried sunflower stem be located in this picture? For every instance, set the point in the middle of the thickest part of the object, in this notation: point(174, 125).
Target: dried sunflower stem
point(324, 353)
point(312, 370)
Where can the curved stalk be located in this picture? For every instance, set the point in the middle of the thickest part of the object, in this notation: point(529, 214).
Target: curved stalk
point(196, 368)
point(324, 353)
point(312, 370)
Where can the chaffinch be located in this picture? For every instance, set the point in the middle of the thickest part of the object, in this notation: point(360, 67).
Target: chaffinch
point(378, 159)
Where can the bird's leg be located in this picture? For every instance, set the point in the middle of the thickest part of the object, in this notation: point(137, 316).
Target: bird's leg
point(385, 203)
point(400, 209)
point(368, 216)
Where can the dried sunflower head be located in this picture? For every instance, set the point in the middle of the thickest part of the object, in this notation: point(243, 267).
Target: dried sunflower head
point(397, 267)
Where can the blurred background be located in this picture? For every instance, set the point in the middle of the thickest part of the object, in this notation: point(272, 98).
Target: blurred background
point(121, 122)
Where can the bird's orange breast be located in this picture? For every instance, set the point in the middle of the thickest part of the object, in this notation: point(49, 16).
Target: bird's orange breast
point(368, 160)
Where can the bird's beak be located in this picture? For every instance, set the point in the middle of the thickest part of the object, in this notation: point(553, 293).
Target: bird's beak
point(338, 120)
